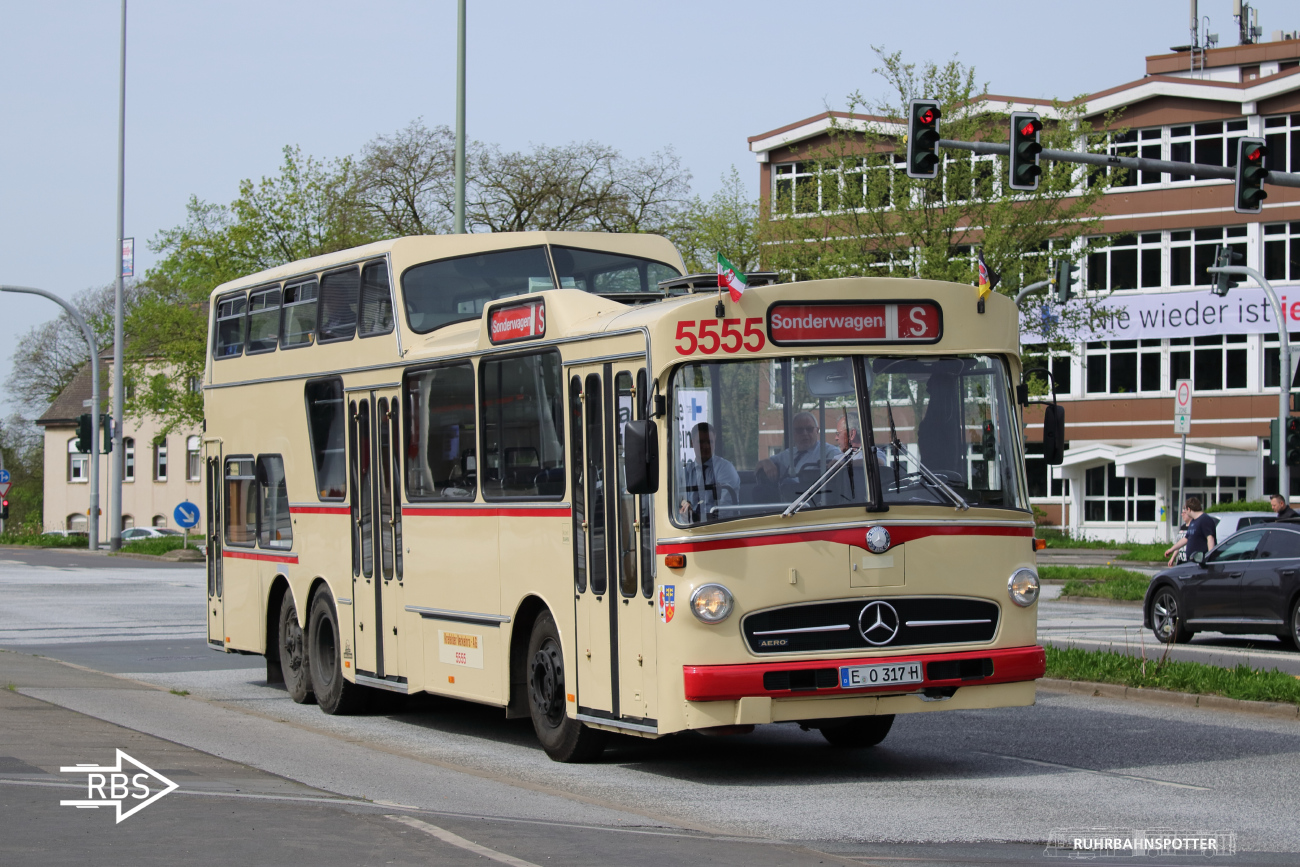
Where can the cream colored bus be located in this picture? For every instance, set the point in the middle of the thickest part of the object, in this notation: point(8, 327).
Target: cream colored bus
point(548, 472)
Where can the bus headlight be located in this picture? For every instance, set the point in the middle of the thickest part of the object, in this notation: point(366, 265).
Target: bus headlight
point(1023, 587)
point(711, 603)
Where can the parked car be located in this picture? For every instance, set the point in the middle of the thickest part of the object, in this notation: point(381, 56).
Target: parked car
point(135, 534)
point(1231, 522)
point(65, 533)
point(1248, 585)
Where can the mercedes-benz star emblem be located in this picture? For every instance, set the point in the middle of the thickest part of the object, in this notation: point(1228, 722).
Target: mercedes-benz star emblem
point(878, 623)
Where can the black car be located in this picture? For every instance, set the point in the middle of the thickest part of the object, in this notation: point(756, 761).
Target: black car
point(1248, 585)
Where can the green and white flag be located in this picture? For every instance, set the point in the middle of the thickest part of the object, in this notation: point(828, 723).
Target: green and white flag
point(730, 279)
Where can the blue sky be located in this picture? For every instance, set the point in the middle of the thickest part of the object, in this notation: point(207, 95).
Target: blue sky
point(215, 90)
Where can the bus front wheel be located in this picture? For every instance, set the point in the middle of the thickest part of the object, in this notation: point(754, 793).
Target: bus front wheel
point(857, 732)
point(293, 653)
point(334, 693)
point(563, 738)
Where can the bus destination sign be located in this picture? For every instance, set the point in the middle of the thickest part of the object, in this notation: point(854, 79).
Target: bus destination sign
point(517, 322)
point(854, 323)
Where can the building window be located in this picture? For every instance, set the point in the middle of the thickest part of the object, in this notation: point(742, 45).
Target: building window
point(1190, 253)
point(160, 461)
point(1137, 143)
point(1271, 359)
point(1283, 136)
point(811, 187)
point(1213, 143)
point(78, 524)
point(1130, 262)
point(1123, 366)
point(1282, 249)
point(1209, 489)
point(195, 385)
point(128, 459)
point(1039, 475)
point(78, 463)
point(160, 520)
point(193, 460)
point(128, 522)
point(1109, 498)
point(1213, 363)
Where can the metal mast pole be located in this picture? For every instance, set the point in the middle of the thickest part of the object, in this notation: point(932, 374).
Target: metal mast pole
point(116, 461)
point(459, 227)
point(92, 525)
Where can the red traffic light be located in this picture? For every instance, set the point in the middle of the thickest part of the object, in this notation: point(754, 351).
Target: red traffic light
point(1255, 154)
point(1031, 127)
point(926, 115)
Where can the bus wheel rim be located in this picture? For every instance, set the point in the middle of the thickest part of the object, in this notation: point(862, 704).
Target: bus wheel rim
point(546, 685)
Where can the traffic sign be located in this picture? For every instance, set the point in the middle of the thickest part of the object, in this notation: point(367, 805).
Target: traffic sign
point(5, 482)
point(186, 515)
point(1183, 407)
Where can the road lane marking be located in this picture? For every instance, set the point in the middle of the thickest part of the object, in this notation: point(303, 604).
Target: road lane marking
point(457, 840)
point(1099, 773)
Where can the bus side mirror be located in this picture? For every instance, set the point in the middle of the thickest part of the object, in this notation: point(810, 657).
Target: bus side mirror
point(641, 456)
point(1053, 434)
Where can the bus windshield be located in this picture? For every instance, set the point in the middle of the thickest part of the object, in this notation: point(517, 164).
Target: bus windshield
point(751, 437)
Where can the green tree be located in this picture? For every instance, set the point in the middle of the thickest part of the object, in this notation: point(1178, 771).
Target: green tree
point(727, 222)
point(859, 214)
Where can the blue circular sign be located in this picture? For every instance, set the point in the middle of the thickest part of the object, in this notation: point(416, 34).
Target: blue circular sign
point(186, 515)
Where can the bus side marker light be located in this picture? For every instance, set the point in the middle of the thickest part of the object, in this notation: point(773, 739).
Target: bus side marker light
point(347, 664)
point(675, 561)
point(570, 697)
point(451, 678)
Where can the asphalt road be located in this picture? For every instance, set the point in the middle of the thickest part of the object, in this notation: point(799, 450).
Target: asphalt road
point(270, 779)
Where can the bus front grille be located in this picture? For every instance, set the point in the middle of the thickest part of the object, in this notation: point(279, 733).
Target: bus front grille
point(871, 624)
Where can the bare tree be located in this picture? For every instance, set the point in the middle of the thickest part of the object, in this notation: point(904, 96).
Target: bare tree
point(408, 178)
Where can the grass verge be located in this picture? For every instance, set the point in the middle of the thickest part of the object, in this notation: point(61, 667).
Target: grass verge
point(40, 540)
point(1106, 666)
point(1100, 582)
point(1144, 553)
point(156, 546)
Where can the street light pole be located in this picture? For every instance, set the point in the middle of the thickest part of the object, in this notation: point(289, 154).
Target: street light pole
point(459, 227)
point(116, 461)
point(1284, 374)
point(92, 526)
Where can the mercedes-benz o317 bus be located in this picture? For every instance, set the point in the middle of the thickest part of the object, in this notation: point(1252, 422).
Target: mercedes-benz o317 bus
point(540, 471)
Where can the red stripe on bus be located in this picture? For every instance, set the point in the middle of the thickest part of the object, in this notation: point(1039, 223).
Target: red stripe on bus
point(487, 513)
point(856, 537)
point(318, 510)
point(249, 555)
point(730, 682)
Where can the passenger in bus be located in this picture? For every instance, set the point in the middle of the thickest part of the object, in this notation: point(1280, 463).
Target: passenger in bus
point(939, 435)
point(709, 481)
point(808, 452)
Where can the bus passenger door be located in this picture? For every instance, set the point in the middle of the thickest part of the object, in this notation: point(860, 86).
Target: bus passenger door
point(376, 576)
point(594, 605)
point(631, 539)
point(216, 610)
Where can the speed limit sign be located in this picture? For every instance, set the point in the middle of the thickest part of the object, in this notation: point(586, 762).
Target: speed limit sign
point(1183, 407)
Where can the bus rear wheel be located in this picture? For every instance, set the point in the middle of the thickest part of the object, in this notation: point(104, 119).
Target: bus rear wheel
point(563, 738)
point(293, 653)
point(334, 693)
point(858, 732)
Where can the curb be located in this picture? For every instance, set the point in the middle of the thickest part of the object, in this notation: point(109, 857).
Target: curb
point(1097, 600)
point(1164, 697)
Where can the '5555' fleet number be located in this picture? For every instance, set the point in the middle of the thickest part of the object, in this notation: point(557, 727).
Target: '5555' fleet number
point(710, 335)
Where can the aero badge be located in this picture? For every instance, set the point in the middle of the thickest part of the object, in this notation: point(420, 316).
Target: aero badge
point(667, 593)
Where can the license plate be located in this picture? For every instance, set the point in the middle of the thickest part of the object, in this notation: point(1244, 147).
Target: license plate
point(880, 674)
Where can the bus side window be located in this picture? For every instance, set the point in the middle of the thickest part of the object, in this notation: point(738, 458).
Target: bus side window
point(228, 339)
point(241, 503)
point(298, 324)
point(523, 427)
point(327, 426)
point(440, 433)
point(338, 305)
point(263, 320)
point(376, 312)
point(274, 526)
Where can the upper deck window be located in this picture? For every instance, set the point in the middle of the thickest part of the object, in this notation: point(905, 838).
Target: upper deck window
point(263, 320)
point(298, 326)
point(338, 305)
point(454, 290)
point(229, 340)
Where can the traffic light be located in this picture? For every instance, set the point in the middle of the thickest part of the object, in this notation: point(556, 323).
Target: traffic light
point(989, 442)
point(1293, 441)
point(4, 509)
point(1251, 174)
point(1025, 127)
point(923, 139)
point(106, 427)
point(1275, 447)
point(84, 440)
point(1223, 257)
point(1066, 276)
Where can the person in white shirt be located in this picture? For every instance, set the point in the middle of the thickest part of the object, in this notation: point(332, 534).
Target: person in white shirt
point(708, 482)
point(808, 450)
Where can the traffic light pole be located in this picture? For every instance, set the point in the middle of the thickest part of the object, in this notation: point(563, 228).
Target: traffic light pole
point(92, 526)
point(1196, 170)
point(1032, 287)
point(1284, 374)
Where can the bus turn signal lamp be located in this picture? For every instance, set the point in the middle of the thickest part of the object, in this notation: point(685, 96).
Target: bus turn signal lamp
point(675, 561)
point(711, 603)
point(1040, 544)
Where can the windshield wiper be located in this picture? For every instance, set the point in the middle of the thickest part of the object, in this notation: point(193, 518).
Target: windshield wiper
point(802, 500)
point(934, 479)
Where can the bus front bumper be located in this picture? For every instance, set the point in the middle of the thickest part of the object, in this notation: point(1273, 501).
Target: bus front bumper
point(823, 677)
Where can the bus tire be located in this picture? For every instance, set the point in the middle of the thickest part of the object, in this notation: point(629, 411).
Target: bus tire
point(857, 732)
point(293, 653)
point(334, 693)
point(563, 738)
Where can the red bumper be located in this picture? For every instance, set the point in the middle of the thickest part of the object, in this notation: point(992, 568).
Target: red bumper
point(802, 679)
